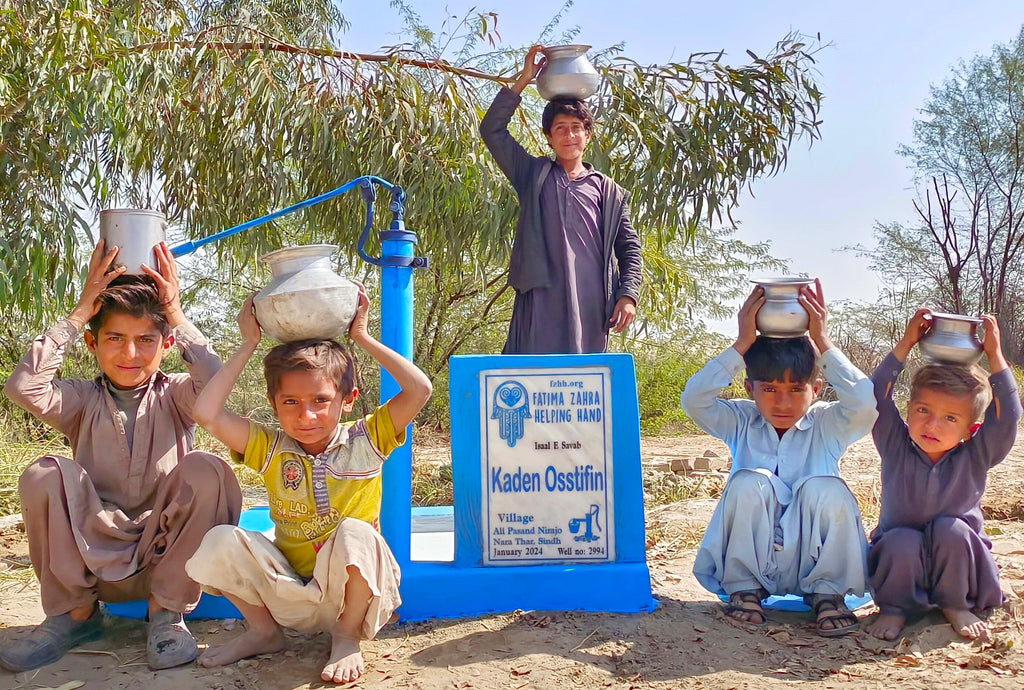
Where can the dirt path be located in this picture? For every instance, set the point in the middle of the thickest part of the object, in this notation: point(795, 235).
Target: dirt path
point(685, 643)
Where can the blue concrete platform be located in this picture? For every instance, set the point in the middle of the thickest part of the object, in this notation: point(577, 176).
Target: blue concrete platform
point(794, 602)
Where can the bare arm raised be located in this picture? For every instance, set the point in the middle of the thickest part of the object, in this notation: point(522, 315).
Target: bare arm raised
point(416, 387)
point(211, 411)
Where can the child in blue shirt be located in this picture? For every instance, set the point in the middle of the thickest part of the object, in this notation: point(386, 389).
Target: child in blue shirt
point(786, 523)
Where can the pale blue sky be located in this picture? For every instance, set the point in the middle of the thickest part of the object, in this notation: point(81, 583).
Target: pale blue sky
point(875, 77)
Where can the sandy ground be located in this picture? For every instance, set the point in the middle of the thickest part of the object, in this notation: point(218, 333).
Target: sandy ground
point(686, 642)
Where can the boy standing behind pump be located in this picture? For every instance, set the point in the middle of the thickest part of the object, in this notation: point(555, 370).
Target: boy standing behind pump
point(786, 522)
point(576, 259)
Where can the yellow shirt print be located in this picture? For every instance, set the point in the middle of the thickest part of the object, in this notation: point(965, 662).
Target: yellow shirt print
point(309, 495)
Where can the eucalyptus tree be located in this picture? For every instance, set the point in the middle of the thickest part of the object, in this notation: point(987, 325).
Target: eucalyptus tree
point(217, 112)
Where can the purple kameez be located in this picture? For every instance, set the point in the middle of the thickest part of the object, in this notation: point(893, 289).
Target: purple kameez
point(565, 317)
point(930, 549)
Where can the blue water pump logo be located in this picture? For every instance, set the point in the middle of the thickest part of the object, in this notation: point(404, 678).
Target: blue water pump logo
point(590, 520)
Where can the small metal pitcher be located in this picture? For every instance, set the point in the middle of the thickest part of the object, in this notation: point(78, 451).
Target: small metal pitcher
point(567, 73)
point(952, 339)
point(306, 298)
point(135, 231)
point(782, 315)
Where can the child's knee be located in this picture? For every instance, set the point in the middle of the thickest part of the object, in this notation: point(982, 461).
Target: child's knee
point(949, 531)
point(356, 527)
point(202, 469)
point(898, 542)
point(220, 539)
point(40, 479)
point(830, 493)
point(746, 486)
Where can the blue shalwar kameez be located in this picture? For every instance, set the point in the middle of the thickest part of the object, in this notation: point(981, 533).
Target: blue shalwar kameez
point(786, 521)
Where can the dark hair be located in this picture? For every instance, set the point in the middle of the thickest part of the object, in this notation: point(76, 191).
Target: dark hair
point(573, 107)
point(770, 359)
point(958, 381)
point(133, 295)
point(327, 356)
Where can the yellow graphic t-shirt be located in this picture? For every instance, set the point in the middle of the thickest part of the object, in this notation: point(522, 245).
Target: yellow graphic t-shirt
point(310, 494)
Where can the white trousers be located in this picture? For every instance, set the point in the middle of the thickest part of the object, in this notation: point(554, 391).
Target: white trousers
point(814, 545)
point(248, 566)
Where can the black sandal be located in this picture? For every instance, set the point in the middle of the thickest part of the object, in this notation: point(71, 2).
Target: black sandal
point(747, 601)
point(832, 608)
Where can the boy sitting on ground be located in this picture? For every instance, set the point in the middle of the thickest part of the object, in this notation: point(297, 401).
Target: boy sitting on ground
point(786, 522)
point(118, 521)
point(328, 568)
point(930, 548)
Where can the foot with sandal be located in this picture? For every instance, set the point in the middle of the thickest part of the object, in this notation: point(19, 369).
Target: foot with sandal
point(52, 639)
point(745, 606)
point(833, 617)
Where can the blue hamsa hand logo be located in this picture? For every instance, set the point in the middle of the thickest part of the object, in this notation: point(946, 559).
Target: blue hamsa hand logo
point(511, 407)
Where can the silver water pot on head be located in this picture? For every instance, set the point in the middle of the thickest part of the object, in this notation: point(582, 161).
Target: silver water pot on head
point(135, 231)
point(567, 73)
point(952, 339)
point(782, 315)
point(305, 298)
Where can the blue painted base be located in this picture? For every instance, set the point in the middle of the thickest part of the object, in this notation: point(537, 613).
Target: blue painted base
point(442, 590)
point(795, 602)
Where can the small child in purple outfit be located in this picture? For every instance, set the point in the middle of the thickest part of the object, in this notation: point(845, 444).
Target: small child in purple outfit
point(929, 549)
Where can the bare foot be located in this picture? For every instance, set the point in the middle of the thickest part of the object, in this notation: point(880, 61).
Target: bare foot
point(887, 626)
point(346, 663)
point(250, 643)
point(966, 623)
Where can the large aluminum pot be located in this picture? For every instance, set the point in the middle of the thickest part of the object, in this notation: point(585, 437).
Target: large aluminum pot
point(135, 231)
point(567, 73)
point(306, 298)
point(952, 339)
point(782, 315)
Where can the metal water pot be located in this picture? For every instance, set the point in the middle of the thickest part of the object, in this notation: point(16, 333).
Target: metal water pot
point(567, 73)
point(135, 231)
point(306, 298)
point(782, 315)
point(952, 339)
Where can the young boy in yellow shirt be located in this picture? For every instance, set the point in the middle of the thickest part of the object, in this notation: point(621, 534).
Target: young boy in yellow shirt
point(328, 567)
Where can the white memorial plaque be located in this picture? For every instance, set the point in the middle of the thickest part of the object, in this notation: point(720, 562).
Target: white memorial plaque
point(547, 466)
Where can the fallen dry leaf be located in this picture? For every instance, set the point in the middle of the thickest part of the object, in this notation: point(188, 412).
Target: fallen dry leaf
point(908, 660)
